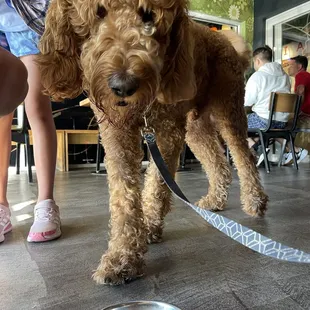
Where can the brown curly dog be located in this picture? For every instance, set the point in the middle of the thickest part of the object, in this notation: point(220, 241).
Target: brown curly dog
point(136, 57)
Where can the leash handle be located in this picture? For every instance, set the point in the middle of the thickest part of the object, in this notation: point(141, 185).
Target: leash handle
point(242, 234)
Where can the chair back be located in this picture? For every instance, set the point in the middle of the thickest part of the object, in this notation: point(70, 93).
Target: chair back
point(284, 103)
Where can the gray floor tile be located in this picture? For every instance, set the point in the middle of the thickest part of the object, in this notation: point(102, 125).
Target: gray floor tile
point(196, 267)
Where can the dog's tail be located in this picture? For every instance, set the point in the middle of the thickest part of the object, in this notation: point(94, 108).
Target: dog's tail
point(240, 46)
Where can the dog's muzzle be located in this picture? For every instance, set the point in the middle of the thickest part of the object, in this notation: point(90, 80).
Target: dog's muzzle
point(123, 85)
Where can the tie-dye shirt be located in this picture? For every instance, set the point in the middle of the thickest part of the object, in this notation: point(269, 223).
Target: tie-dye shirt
point(32, 12)
point(10, 21)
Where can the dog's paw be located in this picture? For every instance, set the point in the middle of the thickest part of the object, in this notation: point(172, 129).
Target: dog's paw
point(118, 271)
point(154, 238)
point(257, 205)
point(113, 278)
point(154, 234)
point(212, 204)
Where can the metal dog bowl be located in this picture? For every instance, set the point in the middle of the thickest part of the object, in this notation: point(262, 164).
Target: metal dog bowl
point(142, 305)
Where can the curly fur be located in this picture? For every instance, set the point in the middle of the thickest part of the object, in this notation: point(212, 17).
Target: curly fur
point(191, 87)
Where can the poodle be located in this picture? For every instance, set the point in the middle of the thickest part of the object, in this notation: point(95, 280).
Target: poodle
point(147, 58)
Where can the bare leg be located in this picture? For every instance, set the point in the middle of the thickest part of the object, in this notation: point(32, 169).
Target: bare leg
point(13, 82)
point(123, 260)
point(252, 141)
point(203, 140)
point(5, 142)
point(39, 113)
point(156, 196)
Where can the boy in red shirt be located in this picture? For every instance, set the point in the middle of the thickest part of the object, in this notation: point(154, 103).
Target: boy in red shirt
point(298, 68)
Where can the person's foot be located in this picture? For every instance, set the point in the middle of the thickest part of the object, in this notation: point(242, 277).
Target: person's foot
point(288, 160)
point(46, 225)
point(300, 156)
point(261, 156)
point(284, 157)
point(5, 222)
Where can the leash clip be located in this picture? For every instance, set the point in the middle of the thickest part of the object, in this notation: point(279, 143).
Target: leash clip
point(147, 132)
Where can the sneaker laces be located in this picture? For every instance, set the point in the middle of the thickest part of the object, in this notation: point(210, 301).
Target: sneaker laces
point(46, 214)
point(3, 216)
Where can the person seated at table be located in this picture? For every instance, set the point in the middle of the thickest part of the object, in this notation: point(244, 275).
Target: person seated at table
point(269, 77)
point(298, 69)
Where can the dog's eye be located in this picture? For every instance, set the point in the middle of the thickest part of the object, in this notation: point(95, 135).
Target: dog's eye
point(101, 11)
point(146, 16)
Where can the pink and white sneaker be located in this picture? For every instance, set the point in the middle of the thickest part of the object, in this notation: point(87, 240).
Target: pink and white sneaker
point(46, 225)
point(5, 222)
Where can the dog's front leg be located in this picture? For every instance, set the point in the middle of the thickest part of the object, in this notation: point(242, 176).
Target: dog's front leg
point(123, 260)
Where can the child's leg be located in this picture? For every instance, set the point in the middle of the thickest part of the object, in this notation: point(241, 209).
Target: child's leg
point(46, 224)
point(5, 144)
point(39, 112)
point(13, 81)
point(5, 152)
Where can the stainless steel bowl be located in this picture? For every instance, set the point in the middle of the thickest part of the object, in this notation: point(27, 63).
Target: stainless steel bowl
point(142, 305)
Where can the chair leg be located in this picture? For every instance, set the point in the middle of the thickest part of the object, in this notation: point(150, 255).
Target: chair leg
point(283, 147)
point(18, 158)
point(293, 151)
point(98, 156)
point(25, 155)
point(263, 143)
point(28, 156)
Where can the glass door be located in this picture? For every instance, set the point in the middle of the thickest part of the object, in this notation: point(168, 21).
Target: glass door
point(296, 38)
point(288, 33)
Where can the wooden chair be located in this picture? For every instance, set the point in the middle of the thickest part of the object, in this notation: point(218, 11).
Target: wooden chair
point(279, 102)
point(20, 135)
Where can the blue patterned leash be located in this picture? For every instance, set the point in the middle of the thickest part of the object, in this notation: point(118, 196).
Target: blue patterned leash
point(242, 234)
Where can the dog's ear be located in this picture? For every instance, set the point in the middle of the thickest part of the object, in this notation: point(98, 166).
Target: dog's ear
point(178, 78)
point(59, 57)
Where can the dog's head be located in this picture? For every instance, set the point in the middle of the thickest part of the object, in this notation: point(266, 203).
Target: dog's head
point(122, 52)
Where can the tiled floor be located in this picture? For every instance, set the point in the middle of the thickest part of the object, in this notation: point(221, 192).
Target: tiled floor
point(196, 267)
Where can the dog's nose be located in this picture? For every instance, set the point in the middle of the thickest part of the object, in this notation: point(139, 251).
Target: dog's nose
point(123, 85)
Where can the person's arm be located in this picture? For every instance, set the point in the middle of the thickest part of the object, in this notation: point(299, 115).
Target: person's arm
point(300, 90)
point(300, 84)
point(13, 82)
point(251, 92)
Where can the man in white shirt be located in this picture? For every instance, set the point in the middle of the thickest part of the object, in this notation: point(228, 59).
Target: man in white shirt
point(269, 77)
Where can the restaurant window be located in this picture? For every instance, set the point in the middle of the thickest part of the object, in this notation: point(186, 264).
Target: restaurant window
point(216, 23)
point(289, 35)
